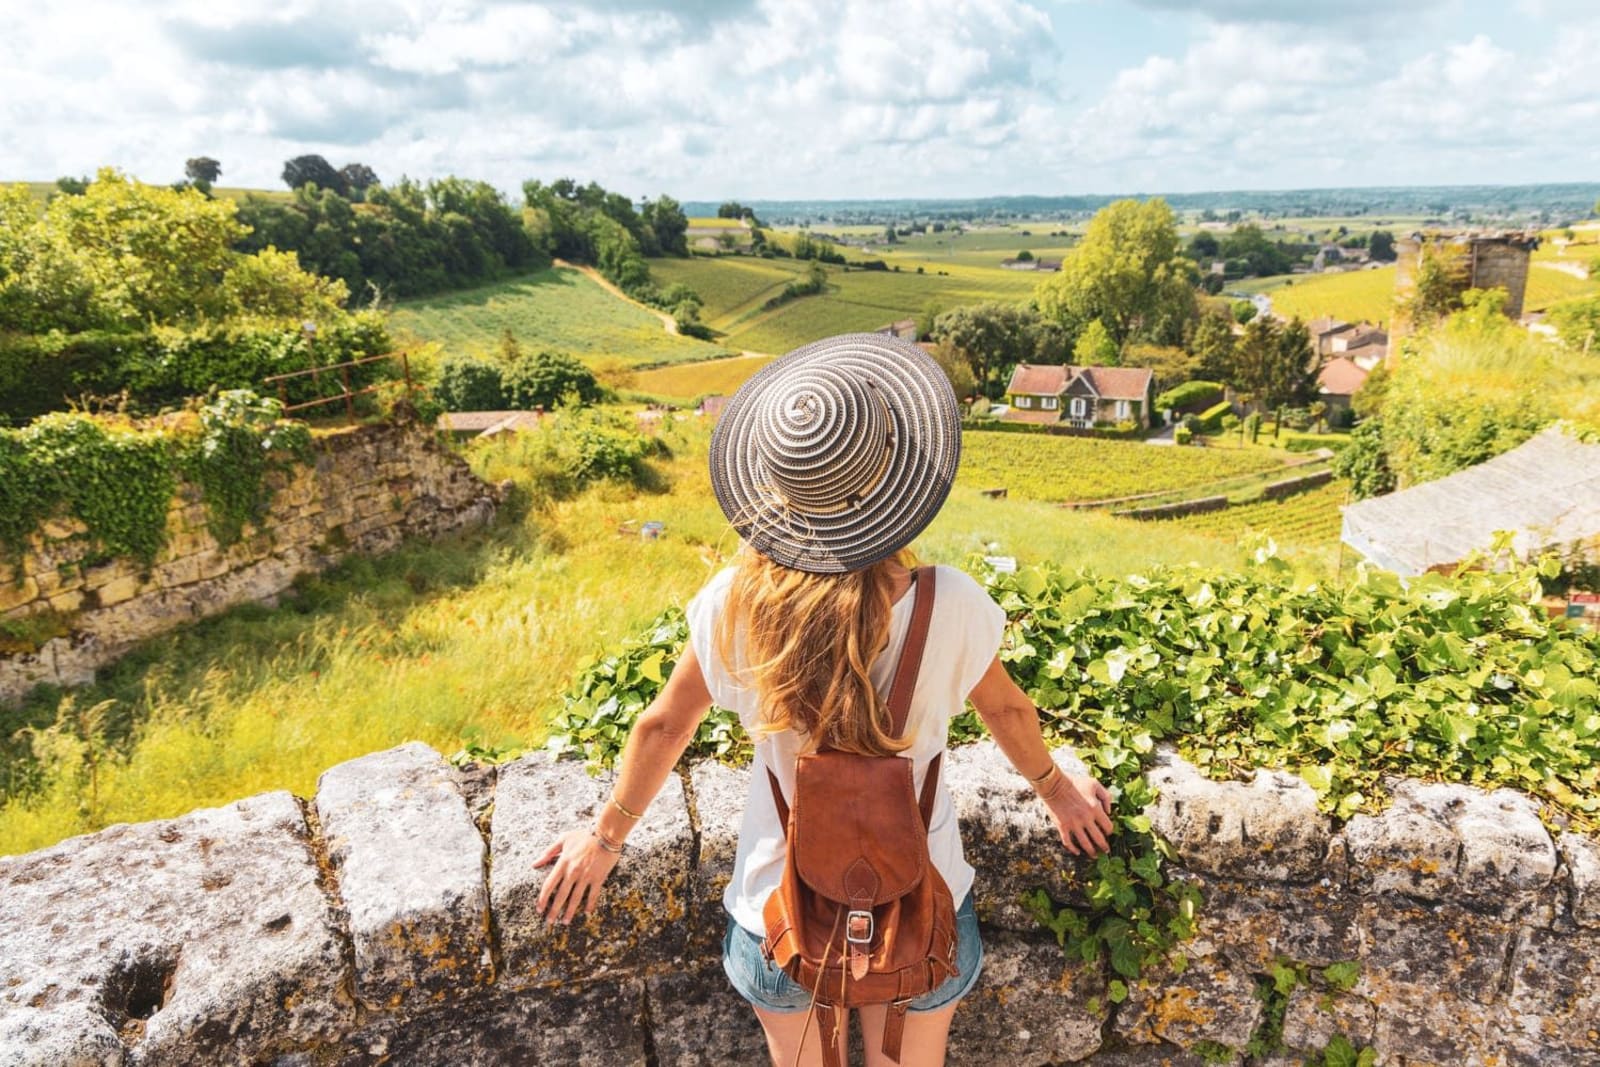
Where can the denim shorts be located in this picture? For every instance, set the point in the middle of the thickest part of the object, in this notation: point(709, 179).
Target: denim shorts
point(769, 988)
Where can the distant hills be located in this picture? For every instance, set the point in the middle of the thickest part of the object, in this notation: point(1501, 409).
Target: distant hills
point(1535, 204)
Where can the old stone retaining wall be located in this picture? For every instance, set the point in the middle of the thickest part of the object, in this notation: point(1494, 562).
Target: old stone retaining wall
point(391, 919)
point(370, 487)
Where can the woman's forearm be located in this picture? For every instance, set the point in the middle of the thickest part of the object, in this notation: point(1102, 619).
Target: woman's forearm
point(652, 749)
point(1015, 729)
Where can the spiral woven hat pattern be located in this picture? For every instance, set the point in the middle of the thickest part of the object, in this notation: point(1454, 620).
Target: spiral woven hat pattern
point(838, 454)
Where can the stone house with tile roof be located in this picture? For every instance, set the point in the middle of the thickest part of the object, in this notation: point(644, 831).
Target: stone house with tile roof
point(1081, 397)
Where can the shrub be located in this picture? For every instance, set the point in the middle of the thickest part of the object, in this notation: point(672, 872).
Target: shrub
point(546, 379)
point(1182, 435)
point(468, 384)
point(1210, 420)
point(1190, 396)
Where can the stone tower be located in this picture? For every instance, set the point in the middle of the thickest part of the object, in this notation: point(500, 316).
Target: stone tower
point(1472, 260)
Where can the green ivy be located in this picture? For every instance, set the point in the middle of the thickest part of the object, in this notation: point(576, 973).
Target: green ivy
point(241, 440)
point(1448, 678)
point(118, 477)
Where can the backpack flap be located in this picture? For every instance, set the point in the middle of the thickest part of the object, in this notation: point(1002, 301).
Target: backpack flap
point(856, 829)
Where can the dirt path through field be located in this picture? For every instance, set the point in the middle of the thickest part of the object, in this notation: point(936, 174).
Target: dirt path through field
point(668, 323)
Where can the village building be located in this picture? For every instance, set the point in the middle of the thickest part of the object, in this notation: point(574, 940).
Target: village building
point(1081, 397)
point(1337, 382)
point(904, 329)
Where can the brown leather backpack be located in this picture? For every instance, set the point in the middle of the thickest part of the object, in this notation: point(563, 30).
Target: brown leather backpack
point(862, 916)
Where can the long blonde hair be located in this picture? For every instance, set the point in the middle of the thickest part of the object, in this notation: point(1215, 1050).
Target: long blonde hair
point(808, 642)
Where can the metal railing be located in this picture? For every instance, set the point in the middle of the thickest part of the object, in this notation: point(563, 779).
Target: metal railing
point(347, 394)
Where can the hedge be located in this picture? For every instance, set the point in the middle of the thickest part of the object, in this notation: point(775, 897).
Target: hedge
point(1210, 420)
point(997, 426)
point(1190, 396)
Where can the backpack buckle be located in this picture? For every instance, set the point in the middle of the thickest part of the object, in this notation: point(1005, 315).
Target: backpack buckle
point(859, 927)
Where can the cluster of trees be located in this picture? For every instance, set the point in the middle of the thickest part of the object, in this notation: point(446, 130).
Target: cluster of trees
point(407, 239)
point(588, 224)
point(515, 380)
point(143, 290)
point(351, 180)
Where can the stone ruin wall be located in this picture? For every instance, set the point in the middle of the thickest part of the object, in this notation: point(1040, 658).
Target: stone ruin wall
point(370, 487)
point(391, 919)
point(1484, 262)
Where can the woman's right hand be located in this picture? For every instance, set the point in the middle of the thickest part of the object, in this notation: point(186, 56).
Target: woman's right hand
point(1081, 807)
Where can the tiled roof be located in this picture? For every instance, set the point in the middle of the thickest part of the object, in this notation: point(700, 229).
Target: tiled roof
point(1031, 380)
point(1340, 377)
point(1119, 383)
point(1111, 383)
point(1321, 327)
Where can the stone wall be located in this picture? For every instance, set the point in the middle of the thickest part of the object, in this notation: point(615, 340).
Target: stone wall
point(391, 919)
point(1478, 261)
point(370, 487)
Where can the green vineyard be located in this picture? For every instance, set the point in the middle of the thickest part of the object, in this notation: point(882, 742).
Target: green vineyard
point(1041, 467)
point(1310, 519)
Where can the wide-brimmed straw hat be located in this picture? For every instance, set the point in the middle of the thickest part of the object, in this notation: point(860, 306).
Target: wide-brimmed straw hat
point(836, 455)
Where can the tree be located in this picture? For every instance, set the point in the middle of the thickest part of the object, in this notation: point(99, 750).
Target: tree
point(1203, 247)
point(203, 171)
point(1439, 282)
point(1095, 348)
point(356, 179)
point(1381, 246)
point(1024, 256)
point(312, 170)
point(956, 368)
point(994, 337)
point(665, 218)
point(1275, 363)
point(1243, 311)
point(72, 186)
point(546, 379)
point(1128, 273)
point(1212, 343)
point(1261, 255)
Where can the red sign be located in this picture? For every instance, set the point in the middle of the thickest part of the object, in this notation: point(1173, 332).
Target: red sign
point(1583, 598)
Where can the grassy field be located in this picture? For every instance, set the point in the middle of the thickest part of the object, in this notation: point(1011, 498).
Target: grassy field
point(1041, 467)
point(681, 383)
point(469, 641)
point(556, 309)
point(735, 288)
point(1369, 294)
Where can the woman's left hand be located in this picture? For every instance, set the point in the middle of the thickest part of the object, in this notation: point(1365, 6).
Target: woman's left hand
point(581, 866)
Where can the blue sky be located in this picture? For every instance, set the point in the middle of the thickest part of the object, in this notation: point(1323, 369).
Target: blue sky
point(816, 98)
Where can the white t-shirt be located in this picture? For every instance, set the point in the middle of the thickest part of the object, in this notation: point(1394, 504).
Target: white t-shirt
point(963, 637)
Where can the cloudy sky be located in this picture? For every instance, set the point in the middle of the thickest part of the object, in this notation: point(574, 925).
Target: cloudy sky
point(815, 98)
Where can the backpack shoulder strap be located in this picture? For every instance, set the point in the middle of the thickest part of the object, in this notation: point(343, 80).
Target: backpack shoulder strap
point(905, 671)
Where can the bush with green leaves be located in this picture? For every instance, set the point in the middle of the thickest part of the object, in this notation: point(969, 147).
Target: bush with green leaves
point(1190, 396)
point(470, 384)
point(547, 379)
point(1450, 678)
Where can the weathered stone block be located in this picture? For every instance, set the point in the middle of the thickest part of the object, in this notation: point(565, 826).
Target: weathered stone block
point(1437, 839)
point(73, 1035)
point(1031, 1005)
point(1430, 1028)
point(1008, 835)
point(1554, 1001)
point(1207, 1002)
point(697, 1020)
point(639, 922)
point(1254, 925)
point(211, 930)
point(1445, 947)
point(14, 595)
point(595, 1025)
point(1582, 856)
point(424, 936)
point(1315, 1017)
point(123, 587)
point(720, 796)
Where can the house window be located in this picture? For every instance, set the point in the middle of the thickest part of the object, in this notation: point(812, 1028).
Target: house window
point(1049, 403)
point(1079, 407)
point(1122, 410)
point(1024, 402)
